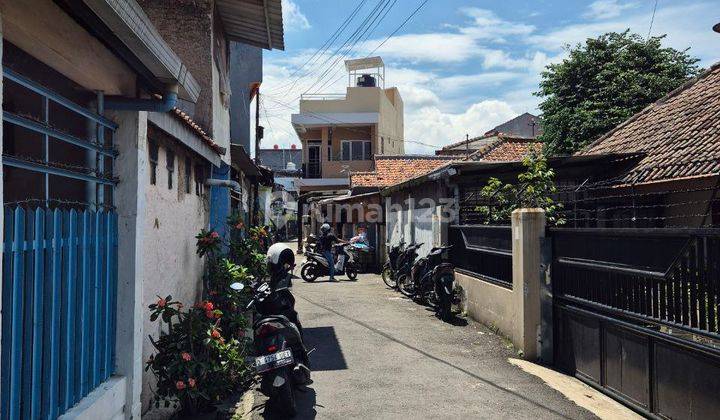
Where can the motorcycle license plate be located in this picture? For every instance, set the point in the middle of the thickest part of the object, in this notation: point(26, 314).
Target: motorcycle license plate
point(273, 361)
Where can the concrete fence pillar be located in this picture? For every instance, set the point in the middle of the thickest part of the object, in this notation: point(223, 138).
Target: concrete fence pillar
point(131, 167)
point(528, 230)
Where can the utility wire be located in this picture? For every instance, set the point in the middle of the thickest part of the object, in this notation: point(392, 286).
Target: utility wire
point(652, 20)
point(319, 52)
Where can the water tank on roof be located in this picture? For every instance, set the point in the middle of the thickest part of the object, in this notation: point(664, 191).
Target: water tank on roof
point(366, 80)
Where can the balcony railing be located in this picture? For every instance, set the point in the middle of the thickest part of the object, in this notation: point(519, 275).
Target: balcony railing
point(322, 96)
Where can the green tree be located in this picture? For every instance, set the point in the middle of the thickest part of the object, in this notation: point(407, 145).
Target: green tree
point(602, 83)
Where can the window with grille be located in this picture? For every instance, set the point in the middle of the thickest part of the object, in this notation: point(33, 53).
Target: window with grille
point(199, 179)
point(188, 174)
point(153, 158)
point(170, 167)
point(356, 150)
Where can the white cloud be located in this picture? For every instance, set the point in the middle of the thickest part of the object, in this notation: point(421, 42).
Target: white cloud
point(431, 125)
point(686, 26)
point(431, 47)
point(293, 18)
point(469, 78)
point(606, 9)
point(487, 25)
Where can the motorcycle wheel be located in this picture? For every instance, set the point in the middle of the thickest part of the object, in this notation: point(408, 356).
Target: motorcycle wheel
point(351, 273)
point(405, 285)
point(388, 277)
point(307, 272)
point(283, 402)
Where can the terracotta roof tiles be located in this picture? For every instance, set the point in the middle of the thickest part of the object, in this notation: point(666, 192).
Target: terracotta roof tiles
point(185, 118)
point(393, 169)
point(679, 134)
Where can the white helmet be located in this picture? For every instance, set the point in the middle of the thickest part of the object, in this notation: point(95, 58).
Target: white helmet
point(325, 228)
point(279, 254)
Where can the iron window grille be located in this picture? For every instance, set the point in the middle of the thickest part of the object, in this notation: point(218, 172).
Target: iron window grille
point(170, 167)
point(153, 158)
point(188, 174)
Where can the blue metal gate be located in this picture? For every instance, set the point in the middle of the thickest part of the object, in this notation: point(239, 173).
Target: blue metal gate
point(59, 274)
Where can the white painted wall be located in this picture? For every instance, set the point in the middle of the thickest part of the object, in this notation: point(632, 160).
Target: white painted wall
point(171, 220)
point(220, 116)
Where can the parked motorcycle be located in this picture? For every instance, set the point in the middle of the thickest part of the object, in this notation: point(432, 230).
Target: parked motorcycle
point(431, 281)
point(316, 266)
point(280, 355)
point(391, 265)
point(405, 261)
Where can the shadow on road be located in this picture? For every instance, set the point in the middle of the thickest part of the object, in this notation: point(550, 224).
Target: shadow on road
point(305, 399)
point(327, 354)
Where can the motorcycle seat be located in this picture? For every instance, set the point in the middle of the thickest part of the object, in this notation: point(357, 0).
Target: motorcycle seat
point(281, 318)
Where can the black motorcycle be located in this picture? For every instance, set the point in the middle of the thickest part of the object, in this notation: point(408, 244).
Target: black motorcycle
point(316, 265)
point(280, 355)
point(390, 267)
point(405, 262)
point(431, 281)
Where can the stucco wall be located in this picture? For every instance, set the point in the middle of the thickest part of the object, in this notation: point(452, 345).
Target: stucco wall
point(220, 117)
point(490, 304)
point(172, 219)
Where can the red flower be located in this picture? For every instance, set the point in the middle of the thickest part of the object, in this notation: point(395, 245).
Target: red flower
point(209, 306)
point(180, 385)
point(215, 334)
point(191, 382)
point(215, 235)
point(209, 314)
point(186, 356)
point(161, 303)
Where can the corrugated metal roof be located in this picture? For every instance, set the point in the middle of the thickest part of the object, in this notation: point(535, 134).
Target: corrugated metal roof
point(253, 22)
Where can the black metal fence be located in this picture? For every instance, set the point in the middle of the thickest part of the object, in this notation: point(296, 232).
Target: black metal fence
point(636, 314)
point(669, 276)
point(483, 251)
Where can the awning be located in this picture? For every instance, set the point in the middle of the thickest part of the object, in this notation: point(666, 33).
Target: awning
point(253, 22)
point(241, 161)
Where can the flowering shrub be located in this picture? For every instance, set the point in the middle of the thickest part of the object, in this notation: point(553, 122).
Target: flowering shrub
point(208, 242)
point(194, 364)
point(200, 359)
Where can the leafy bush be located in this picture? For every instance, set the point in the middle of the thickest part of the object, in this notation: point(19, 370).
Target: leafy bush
point(195, 365)
point(535, 189)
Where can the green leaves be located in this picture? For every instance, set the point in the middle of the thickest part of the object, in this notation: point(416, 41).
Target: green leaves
point(602, 83)
point(535, 188)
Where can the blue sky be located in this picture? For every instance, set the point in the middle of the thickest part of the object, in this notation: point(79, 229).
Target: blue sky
point(461, 66)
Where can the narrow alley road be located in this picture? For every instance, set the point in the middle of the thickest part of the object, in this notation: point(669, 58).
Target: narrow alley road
point(380, 356)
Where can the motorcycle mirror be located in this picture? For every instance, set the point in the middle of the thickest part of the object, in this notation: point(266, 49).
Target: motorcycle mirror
point(237, 286)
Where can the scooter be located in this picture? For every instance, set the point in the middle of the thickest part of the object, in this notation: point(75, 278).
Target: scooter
point(280, 355)
point(391, 265)
point(431, 281)
point(316, 265)
point(405, 261)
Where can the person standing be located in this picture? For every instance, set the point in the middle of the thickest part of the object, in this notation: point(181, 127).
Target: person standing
point(324, 246)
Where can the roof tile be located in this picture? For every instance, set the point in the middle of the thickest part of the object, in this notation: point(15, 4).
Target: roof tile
point(679, 134)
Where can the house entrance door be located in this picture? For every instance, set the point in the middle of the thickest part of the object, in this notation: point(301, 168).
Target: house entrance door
point(313, 167)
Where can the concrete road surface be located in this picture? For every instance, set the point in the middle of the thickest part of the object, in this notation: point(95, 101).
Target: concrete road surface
point(380, 356)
